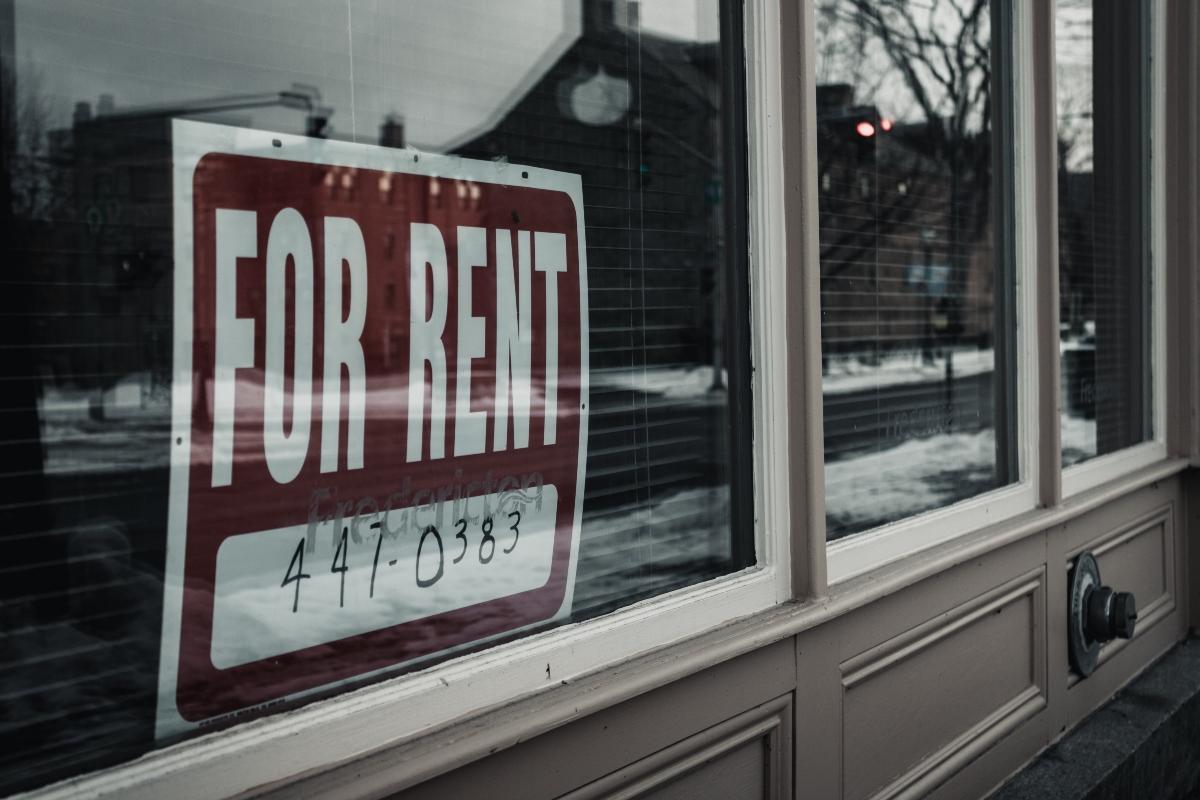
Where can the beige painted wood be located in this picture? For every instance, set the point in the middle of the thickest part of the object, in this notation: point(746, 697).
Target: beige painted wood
point(1141, 523)
point(945, 674)
point(818, 737)
point(930, 634)
point(936, 596)
point(939, 688)
point(1135, 542)
point(806, 415)
point(901, 740)
point(991, 768)
point(738, 774)
point(1045, 137)
point(564, 760)
point(747, 756)
point(1139, 558)
point(541, 749)
point(963, 680)
point(938, 676)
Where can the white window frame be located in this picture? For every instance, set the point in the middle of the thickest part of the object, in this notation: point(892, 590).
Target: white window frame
point(870, 550)
point(330, 732)
point(1095, 471)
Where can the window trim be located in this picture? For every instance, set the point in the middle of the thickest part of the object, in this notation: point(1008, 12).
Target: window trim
point(1095, 471)
point(1043, 480)
point(322, 735)
point(788, 479)
point(875, 548)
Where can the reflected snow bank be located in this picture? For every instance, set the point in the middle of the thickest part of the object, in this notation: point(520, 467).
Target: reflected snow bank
point(874, 489)
point(899, 369)
point(638, 550)
point(672, 383)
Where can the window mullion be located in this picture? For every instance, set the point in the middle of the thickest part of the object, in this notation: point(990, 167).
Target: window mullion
point(1040, 84)
point(803, 300)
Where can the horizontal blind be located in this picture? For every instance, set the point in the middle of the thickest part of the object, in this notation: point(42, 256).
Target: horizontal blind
point(1103, 133)
point(656, 512)
point(88, 97)
point(911, 273)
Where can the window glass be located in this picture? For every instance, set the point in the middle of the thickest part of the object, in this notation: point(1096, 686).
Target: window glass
point(1103, 265)
point(172, 321)
point(916, 319)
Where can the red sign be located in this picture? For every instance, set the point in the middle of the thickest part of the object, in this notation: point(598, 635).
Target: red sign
point(379, 412)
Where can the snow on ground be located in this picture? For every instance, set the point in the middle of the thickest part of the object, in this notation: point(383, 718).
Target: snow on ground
point(915, 476)
point(919, 475)
point(843, 375)
point(1078, 438)
point(131, 432)
point(673, 383)
point(637, 549)
point(852, 374)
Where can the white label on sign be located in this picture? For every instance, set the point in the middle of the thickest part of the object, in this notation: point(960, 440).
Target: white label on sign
point(276, 592)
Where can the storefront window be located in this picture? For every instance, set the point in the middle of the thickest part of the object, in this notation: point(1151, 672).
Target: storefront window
point(305, 307)
point(1104, 262)
point(916, 317)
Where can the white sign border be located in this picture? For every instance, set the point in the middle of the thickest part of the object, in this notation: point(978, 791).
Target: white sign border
point(190, 142)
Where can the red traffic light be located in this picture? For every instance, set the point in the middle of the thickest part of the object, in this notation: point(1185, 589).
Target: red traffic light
point(865, 129)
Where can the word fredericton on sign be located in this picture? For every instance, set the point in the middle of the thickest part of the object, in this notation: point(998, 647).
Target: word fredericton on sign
point(379, 412)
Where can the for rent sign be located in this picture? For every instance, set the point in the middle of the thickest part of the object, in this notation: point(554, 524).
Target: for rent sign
point(379, 412)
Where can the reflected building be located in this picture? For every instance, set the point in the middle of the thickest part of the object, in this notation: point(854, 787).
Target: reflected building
point(905, 261)
point(907, 274)
point(639, 117)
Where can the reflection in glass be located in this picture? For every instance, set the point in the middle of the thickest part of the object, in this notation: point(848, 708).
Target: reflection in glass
point(1104, 285)
point(912, 284)
point(639, 107)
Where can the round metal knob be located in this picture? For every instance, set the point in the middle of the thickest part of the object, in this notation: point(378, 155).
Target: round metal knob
point(1095, 614)
point(1110, 615)
point(1097, 622)
point(1124, 615)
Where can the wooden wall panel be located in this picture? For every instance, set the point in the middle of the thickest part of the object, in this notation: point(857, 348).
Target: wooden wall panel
point(739, 773)
point(1138, 558)
point(748, 756)
point(1136, 543)
point(645, 743)
point(918, 705)
point(937, 690)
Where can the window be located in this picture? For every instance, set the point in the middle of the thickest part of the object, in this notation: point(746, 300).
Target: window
point(368, 111)
point(1104, 125)
point(353, 341)
point(927, 135)
point(917, 292)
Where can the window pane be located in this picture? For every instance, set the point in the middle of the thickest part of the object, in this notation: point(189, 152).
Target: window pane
point(916, 333)
point(415, 158)
point(1104, 263)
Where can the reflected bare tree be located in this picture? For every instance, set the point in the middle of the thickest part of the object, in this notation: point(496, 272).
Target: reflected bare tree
point(37, 190)
point(929, 63)
point(907, 259)
point(22, 482)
